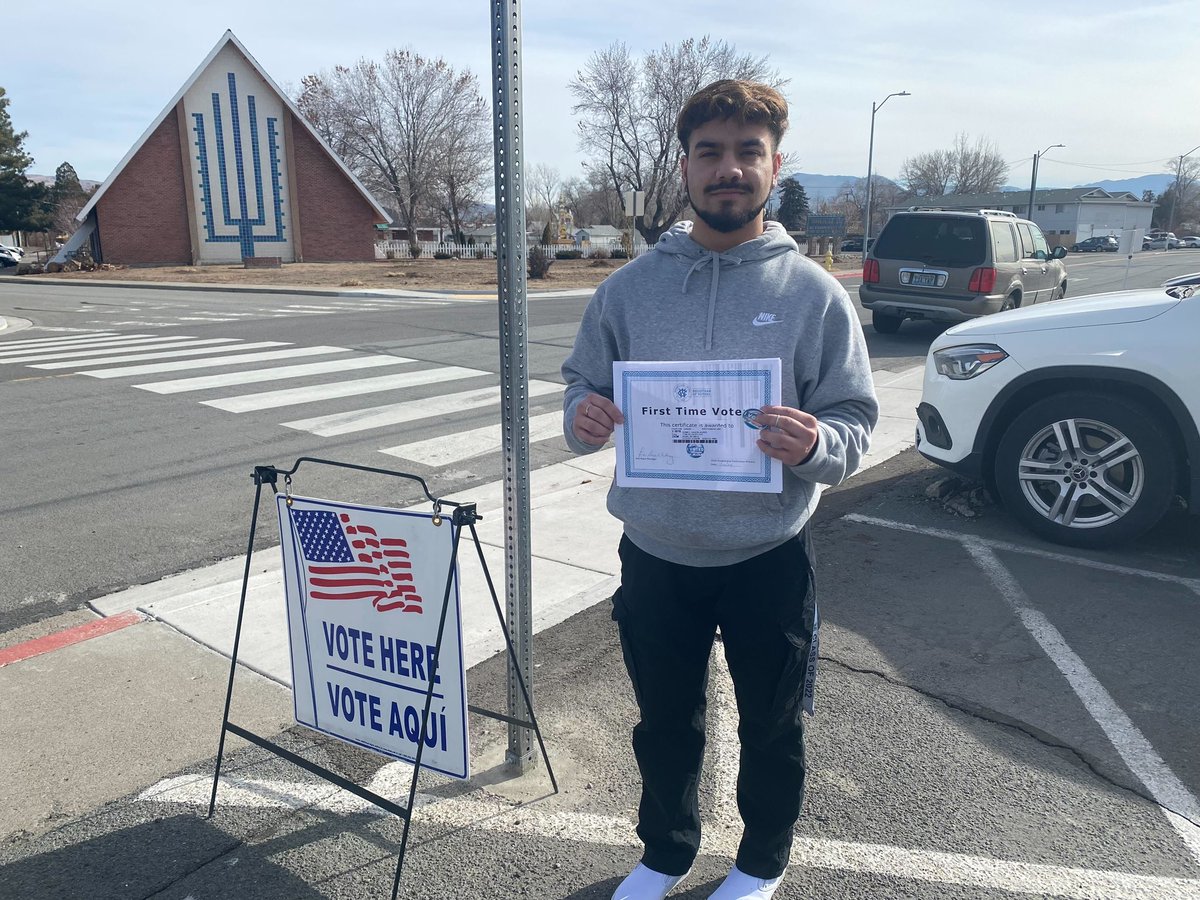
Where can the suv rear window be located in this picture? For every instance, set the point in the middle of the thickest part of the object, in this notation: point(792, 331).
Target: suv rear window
point(934, 240)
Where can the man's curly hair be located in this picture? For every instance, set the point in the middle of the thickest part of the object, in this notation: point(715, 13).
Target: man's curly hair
point(744, 102)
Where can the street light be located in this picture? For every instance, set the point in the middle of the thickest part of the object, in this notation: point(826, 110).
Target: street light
point(875, 107)
point(1033, 179)
point(1175, 193)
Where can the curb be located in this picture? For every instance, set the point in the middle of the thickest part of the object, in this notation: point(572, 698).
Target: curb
point(272, 289)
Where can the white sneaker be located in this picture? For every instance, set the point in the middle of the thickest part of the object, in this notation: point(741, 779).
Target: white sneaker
point(646, 884)
point(740, 886)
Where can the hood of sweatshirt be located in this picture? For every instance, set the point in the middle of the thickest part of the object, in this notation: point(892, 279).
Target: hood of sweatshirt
point(677, 241)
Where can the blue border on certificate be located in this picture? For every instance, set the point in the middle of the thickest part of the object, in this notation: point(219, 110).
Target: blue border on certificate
point(764, 477)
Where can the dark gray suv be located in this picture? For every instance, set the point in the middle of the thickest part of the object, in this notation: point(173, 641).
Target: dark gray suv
point(955, 265)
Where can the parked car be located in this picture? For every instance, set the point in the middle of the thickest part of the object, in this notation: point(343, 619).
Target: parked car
point(8, 257)
point(16, 252)
point(1103, 243)
point(1160, 242)
point(954, 265)
point(1083, 416)
point(855, 244)
point(1189, 242)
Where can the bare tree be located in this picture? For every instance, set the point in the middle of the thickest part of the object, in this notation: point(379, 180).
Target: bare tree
point(1181, 192)
point(593, 201)
point(928, 174)
point(965, 168)
point(463, 172)
point(543, 185)
point(397, 122)
point(978, 168)
point(627, 110)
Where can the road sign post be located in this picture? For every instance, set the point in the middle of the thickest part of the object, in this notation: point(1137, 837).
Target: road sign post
point(635, 205)
point(514, 376)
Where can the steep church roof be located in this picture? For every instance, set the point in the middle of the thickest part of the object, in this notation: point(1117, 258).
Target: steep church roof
point(229, 38)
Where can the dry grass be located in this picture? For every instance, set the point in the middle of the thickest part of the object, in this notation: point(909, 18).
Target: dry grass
point(414, 274)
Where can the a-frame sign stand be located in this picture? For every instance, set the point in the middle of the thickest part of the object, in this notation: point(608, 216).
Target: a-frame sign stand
point(464, 515)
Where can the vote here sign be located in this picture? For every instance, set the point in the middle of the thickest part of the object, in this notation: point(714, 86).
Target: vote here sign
point(365, 587)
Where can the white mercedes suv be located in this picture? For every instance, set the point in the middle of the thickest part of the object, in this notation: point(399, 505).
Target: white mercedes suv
point(1082, 415)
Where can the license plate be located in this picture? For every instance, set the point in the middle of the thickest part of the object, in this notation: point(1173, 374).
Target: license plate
point(924, 279)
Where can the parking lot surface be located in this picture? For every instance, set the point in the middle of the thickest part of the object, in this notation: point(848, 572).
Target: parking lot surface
point(996, 718)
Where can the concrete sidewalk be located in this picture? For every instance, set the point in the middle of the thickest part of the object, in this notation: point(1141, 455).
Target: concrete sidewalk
point(569, 575)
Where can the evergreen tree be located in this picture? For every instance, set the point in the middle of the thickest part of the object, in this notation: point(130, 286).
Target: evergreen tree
point(22, 204)
point(66, 198)
point(793, 205)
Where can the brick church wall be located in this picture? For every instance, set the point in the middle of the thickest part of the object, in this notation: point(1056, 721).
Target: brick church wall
point(336, 223)
point(143, 214)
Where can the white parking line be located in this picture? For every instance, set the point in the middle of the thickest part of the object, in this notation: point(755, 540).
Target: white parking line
point(1167, 790)
point(540, 820)
point(1190, 583)
point(1178, 804)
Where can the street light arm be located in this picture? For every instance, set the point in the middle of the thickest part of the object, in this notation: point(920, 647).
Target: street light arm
point(875, 107)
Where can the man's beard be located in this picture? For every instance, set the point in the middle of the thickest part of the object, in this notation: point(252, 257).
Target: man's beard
point(727, 222)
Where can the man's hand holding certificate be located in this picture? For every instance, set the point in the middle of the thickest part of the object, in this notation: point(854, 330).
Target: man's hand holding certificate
point(697, 425)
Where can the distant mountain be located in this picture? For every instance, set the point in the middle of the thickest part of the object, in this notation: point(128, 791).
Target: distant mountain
point(1135, 186)
point(826, 187)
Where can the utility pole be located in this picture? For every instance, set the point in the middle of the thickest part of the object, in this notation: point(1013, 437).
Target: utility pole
point(1033, 178)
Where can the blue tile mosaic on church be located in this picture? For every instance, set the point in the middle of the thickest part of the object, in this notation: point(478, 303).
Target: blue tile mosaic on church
point(246, 225)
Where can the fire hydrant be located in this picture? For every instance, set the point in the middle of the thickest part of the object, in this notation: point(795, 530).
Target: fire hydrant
point(829, 260)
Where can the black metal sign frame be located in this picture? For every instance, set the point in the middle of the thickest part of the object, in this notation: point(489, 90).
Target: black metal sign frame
point(463, 515)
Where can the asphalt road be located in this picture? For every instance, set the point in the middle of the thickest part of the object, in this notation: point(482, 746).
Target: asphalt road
point(108, 485)
point(996, 718)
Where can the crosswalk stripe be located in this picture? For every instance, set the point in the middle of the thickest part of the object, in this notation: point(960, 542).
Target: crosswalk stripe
point(410, 411)
point(293, 396)
point(210, 362)
point(89, 344)
point(62, 339)
point(463, 445)
point(232, 346)
point(85, 356)
point(203, 382)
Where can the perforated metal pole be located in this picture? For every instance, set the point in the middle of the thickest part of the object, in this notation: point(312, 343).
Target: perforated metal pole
point(514, 342)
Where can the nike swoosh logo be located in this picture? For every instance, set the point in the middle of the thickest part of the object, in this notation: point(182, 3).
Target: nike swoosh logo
point(766, 319)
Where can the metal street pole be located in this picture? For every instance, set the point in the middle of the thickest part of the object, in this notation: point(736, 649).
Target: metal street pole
point(870, 163)
point(514, 355)
point(1033, 178)
point(1175, 193)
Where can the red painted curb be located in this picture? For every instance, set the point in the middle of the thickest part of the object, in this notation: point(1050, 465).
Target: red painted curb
point(67, 637)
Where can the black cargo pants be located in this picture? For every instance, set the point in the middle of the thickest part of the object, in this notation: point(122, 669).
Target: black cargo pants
point(667, 615)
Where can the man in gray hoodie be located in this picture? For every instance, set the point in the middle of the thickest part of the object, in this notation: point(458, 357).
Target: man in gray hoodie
point(728, 286)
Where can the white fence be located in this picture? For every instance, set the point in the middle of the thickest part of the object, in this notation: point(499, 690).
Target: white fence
point(402, 250)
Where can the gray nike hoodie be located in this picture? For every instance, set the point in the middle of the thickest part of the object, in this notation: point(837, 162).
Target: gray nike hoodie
point(760, 299)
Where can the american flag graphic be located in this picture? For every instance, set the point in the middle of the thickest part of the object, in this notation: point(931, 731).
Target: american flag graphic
point(351, 562)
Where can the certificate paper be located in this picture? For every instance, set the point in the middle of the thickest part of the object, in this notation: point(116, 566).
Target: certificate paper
point(684, 427)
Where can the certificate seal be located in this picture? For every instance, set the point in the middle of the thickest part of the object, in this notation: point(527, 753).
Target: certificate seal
point(749, 415)
point(695, 451)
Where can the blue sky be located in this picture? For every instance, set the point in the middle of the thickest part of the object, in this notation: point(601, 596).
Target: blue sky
point(1113, 81)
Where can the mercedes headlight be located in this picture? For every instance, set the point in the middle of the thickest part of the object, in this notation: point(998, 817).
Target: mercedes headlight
point(961, 363)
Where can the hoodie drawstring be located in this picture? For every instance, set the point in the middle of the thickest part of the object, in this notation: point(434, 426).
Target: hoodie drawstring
point(715, 259)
